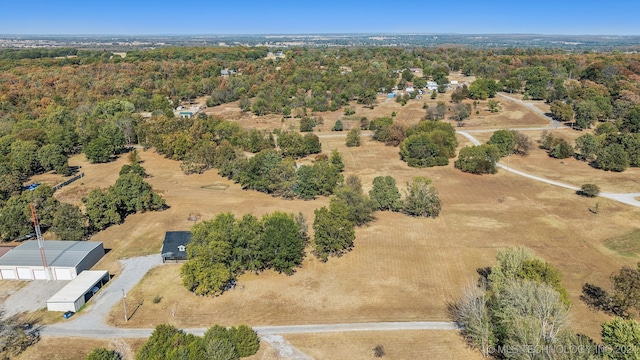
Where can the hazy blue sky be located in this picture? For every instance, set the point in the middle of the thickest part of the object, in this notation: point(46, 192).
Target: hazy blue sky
point(615, 17)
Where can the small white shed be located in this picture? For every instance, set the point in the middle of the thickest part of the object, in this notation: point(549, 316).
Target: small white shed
point(78, 291)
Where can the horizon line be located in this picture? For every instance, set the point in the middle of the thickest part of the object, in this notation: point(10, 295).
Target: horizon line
point(303, 34)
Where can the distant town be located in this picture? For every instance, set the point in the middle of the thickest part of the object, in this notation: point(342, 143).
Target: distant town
point(497, 41)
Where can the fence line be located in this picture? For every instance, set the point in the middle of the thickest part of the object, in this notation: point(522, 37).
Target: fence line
point(81, 175)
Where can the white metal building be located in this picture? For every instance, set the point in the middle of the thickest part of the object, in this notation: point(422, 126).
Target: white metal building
point(78, 291)
point(65, 259)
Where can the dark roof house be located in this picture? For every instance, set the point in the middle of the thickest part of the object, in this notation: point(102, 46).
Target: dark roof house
point(174, 246)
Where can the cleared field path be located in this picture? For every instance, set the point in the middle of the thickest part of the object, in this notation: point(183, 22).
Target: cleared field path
point(625, 198)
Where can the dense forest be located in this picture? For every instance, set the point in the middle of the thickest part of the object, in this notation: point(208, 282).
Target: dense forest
point(57, 102)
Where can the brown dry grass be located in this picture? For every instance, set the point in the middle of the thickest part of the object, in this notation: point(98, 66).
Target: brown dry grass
point(397, 345)
point(70, 348)
point(402, 268)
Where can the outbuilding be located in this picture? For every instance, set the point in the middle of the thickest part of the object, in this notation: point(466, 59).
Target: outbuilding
point(174, 246)
point(65, 260)
point(78, 291)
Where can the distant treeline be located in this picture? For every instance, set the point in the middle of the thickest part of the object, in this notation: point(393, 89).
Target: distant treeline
point(15, 54)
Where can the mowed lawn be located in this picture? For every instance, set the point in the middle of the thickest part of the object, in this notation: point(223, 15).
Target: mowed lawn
point(401, 268)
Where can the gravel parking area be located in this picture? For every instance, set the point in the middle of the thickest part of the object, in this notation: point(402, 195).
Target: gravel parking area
point(31, 297)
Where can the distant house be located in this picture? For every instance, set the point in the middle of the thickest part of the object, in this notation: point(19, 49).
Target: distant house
point(174, 246)
point(410, 89)
point(227, 72)
point(432, 85)
point(186, 114)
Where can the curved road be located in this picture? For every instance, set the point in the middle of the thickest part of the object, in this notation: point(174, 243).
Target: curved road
point(556, 124)
point(625, 198)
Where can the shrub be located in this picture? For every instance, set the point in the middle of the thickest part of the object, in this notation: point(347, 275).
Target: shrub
point(378, 351)
point(561, 150)
point(307, 124)
point(478, 159)
point(422, 198)
point(589, 190)
point(338, 126)
point(353, 137)
point(349, 111)
point(504, 140)
point(102, 354)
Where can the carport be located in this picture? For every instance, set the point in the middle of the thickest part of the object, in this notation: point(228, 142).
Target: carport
point(78, 291)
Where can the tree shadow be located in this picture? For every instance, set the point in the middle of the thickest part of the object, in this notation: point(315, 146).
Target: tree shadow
point(599, 299)
point(595, 297)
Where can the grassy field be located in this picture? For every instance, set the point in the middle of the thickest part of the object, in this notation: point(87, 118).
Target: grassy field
point(400, 345)
point(401, 268)
point(78, 348)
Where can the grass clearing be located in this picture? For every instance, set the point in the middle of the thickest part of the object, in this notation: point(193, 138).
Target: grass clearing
point(626, 245)
point(400, 345)
point(216, 186)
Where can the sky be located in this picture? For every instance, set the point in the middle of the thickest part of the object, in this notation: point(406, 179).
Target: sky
point(162, 17)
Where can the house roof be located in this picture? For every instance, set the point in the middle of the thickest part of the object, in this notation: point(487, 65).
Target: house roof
point(58, 253)
point(79, 286)
point(172, 241)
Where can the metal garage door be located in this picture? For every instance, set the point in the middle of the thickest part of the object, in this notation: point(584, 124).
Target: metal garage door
point(8, 274)
point(63, 274)
point(25, 274)
point(40, 274)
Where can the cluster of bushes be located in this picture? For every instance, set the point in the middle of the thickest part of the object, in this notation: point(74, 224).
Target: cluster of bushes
point(218, 342)
point(294, 145)
point(65, 220)
point(13, 338)
point(353, 138)
point(308, 123)
point(609, 150)
point(130, 194)
point(421, 197)
point(482, 159)
point(104, 207)
point(334, 227)
point(268, 172)
point(556, 147)
point(511, 142)
point(429, 143)
point(623, 297)
point(518, 303)
point(194, 140)
point(225, 247)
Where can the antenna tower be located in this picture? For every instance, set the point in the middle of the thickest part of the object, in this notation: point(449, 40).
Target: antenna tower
point(36, 225)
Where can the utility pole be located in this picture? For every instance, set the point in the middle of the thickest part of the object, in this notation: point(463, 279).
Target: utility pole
point(124, 304)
